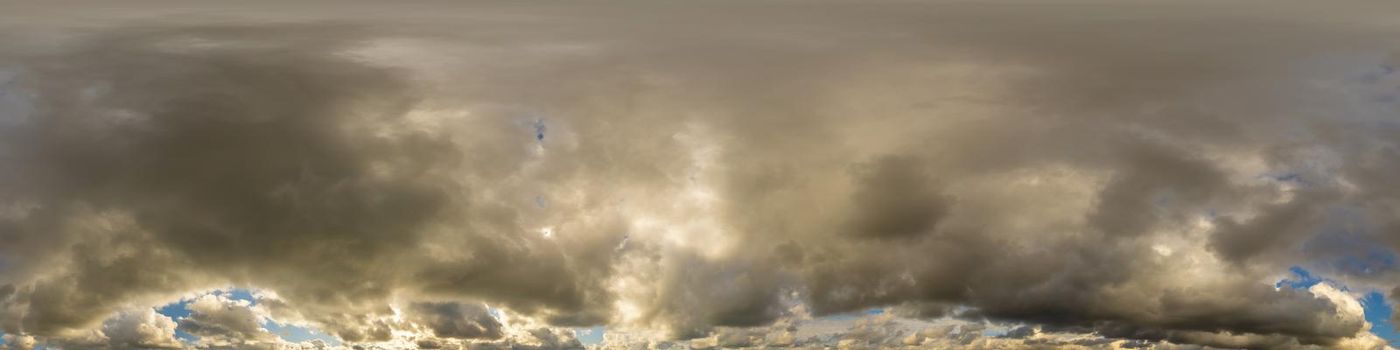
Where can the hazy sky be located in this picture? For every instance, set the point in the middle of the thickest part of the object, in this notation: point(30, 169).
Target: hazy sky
point(694, 175)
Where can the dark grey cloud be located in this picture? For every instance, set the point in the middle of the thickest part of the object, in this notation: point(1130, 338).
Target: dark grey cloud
point(233, 162)
point(894, 200)
point(1124, 172)
point(219, 320)
point(456, 320)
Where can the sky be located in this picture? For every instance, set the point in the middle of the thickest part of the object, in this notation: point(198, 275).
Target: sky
point(462, 175)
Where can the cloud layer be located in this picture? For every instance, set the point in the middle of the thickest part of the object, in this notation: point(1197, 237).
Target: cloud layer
point(1099, 175)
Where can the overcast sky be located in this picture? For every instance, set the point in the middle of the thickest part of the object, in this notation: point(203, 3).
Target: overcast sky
point(693, 175)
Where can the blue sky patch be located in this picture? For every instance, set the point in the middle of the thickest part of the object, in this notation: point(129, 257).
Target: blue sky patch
point(590, 336)
point(178, 310)
point(238, 294)
point(175, 310)
point(1302, 279)
point(1378, 312)
point(297, 334)
point(1376, 309)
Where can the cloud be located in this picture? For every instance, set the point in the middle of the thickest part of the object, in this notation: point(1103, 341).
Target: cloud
point(893, 199)
point(18, 342)
point(1098, 177)
point(456, 320)
point(141, 329)
point(219, 321)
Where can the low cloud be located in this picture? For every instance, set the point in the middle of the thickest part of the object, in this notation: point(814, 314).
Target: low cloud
point(490, 175)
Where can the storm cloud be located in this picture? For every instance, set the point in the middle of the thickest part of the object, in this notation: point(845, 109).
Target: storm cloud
point(489, 175)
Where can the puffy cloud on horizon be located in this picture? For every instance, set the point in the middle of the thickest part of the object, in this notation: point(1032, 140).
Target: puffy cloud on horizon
point(717, 175)
point(140, 329)
point(456, 320)
point(220, 321)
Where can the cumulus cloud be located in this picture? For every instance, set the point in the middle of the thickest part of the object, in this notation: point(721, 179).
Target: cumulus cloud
point(220, 321)
point(456, 320)
point(487, 175)
point(141, 329)
point(17, 342)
